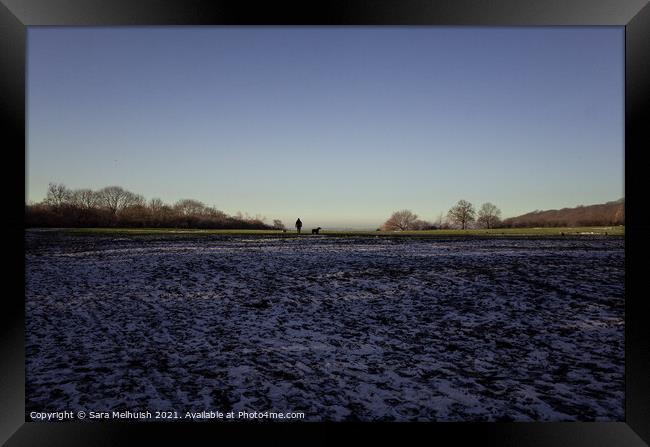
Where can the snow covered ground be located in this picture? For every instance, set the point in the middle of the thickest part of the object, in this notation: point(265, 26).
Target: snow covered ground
point(339, 328)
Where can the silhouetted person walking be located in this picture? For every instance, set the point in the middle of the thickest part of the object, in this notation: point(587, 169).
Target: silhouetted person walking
point(298, 225)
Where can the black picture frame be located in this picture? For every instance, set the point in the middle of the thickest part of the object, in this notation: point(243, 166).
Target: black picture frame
point(634, 15)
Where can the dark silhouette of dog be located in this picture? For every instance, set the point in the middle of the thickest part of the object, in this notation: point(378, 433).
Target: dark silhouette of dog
point(315, 230)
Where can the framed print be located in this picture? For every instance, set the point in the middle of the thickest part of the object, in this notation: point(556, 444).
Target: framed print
point(335, 220)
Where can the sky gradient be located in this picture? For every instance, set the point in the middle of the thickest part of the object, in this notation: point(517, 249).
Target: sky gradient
point(337, 126)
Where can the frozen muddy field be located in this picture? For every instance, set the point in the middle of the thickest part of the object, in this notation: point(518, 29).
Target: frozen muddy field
point(338, 328)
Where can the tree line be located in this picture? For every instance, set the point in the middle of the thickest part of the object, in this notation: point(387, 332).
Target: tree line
point(604, 214)
point(115, 206)
point(463, 215)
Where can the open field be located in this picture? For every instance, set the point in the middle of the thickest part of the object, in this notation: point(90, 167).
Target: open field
point(558, 231)
point(341, 328)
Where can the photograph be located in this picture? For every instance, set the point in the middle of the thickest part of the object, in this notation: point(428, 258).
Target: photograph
point(227, 224)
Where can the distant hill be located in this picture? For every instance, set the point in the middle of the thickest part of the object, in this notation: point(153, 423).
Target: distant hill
point(610, 213)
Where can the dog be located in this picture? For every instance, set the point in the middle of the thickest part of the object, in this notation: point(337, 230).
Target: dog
point(315, 230)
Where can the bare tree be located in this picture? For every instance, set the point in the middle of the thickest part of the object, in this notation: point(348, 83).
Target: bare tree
point(278, 225)
point(116, 198)
point(400, 220)
point(57, 195)
point(462, 213)
point(133, 199)
point(156, 205)
point(489, 215)
point(109, 197)
point(213, 212)
point(85, 198)
point(159, 211)
point(189, 207)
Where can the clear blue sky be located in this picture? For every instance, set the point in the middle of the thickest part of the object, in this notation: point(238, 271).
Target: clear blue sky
point(338, 126)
